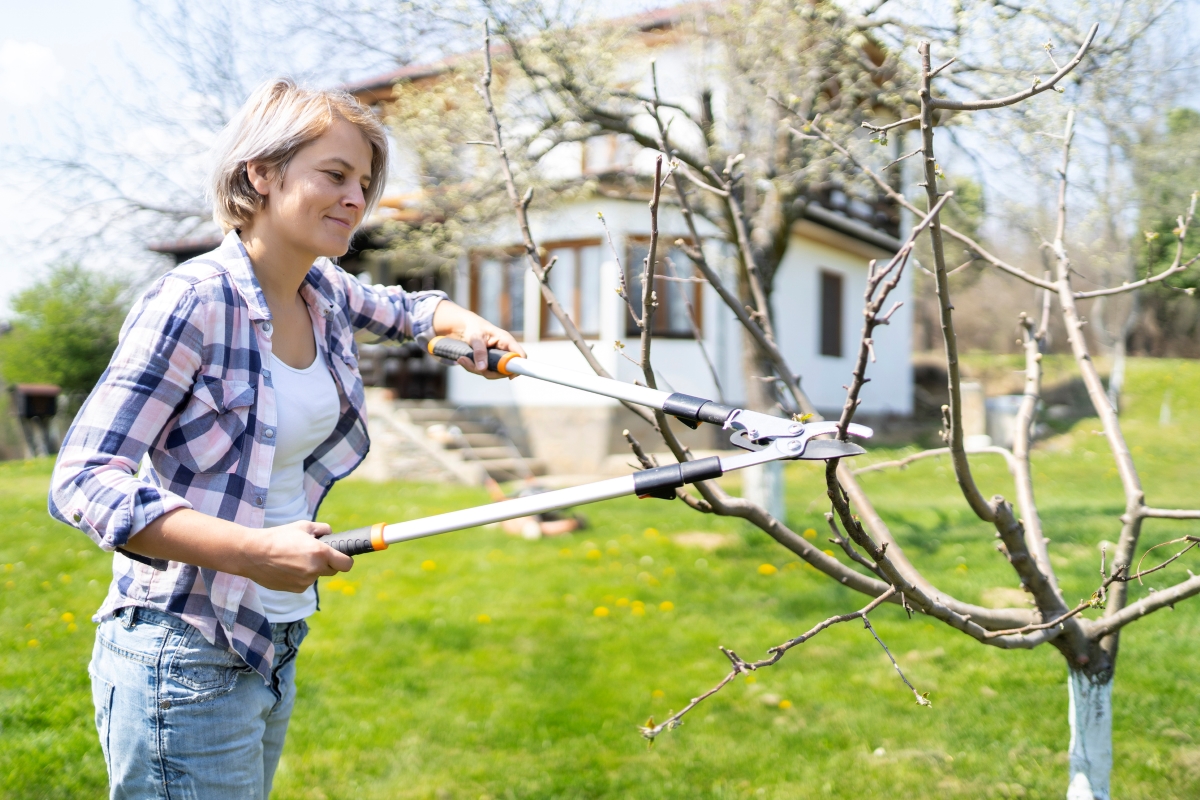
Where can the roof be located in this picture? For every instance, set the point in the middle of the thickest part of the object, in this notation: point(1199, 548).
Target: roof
point(37, 389)
point(378, 88)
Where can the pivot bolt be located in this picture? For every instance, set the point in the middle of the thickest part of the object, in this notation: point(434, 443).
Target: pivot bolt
point(794, 428)
point(795, 445)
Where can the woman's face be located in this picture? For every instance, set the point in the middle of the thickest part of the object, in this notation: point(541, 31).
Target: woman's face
point(319, 202)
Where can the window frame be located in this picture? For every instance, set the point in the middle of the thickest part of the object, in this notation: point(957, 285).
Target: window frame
point(664, 298)
point(573, 305)
point(507, 256)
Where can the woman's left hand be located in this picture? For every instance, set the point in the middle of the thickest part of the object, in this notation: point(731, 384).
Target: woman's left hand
point(451, 319)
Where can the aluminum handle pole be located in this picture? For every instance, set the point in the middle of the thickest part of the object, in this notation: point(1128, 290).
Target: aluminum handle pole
point(508, 509)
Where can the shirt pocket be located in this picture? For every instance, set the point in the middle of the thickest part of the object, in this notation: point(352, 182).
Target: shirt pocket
point(210, 434)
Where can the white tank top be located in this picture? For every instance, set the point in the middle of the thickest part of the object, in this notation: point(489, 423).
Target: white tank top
point(307, 406)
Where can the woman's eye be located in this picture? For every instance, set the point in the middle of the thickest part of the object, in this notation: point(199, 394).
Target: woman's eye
point(337, 176)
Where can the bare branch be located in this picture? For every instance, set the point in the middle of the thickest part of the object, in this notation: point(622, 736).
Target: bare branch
point(741, 667)
point(1037, 88)
point(1169, 513)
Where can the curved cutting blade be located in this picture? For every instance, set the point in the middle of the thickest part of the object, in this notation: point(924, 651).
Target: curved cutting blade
point(824, 449)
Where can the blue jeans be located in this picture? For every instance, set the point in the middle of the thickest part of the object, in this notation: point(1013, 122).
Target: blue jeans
point(181, 718)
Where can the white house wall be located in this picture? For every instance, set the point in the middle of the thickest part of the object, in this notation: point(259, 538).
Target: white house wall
point(796, 304)
point(679, 363)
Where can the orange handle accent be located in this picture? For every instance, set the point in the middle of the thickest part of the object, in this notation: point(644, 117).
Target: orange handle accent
point(377, 542)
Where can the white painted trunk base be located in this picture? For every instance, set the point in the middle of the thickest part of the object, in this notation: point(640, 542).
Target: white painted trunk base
point(1091, 752)
point(763, 486)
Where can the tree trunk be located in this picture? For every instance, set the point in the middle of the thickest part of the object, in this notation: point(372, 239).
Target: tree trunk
point(1091, 752)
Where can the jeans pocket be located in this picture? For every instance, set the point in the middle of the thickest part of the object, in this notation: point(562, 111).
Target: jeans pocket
point(197, 670)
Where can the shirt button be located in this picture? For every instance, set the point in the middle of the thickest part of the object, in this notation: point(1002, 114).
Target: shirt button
point(266, 373)
point(77, 516)
point(266, 326)
point(269, 433)
point(258, 501)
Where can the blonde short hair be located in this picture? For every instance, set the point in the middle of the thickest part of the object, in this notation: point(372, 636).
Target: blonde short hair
point(277, 120)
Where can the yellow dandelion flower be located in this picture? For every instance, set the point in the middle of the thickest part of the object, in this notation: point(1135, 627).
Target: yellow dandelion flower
point(483, 619)
point(67, 617)
point(65, 578)
point(751, 679)
point(785, 704)
point(767, 569)
point(961, 568)
point(335, 585)
point(33, 642)
point(8, 567)
point(666, 605)
point(638, 611)
point(828, 553)
point(349, 589)
point(810, 533)
point(594, 554)
point(658, 693)
point(650, 533)
point(600, 611)
point(72, 628)
point(622, 601)
point(428, 566)
point(669, 572)
point(45, 584)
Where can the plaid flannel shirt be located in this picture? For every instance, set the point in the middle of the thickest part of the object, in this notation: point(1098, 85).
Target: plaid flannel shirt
point(185, 416)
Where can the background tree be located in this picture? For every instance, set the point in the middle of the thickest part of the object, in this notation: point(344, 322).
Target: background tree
point(65, 329)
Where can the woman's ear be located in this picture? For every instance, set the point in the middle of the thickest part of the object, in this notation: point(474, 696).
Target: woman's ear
point(260, 176)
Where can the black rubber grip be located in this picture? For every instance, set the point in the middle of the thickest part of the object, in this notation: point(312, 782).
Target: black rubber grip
point(455, 349)
point(352, 543)
point(716, 413)
point(694, 410)
point(661, 482)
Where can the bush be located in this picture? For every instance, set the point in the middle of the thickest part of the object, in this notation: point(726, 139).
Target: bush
point(65, 329)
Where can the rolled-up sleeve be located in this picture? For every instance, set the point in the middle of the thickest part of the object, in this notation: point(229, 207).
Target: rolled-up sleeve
point(389, 311)
point(95, 486)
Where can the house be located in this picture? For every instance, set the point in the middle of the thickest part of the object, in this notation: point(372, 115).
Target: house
point(816, 296)
point(523, 426)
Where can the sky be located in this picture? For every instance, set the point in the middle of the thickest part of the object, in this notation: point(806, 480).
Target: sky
point(49, 51)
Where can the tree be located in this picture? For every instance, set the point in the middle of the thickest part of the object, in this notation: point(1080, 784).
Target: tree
point(65, 329)
point(1167, 167)
point(878, 566)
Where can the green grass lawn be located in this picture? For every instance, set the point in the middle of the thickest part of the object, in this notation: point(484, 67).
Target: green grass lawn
point(474, 664)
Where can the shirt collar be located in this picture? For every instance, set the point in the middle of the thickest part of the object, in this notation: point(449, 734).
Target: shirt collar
point(233, 256)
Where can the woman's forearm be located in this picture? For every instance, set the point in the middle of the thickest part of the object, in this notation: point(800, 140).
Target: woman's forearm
point(188, 536)
point(288, 557)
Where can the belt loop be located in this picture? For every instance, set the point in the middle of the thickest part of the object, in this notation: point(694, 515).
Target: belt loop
point(127, 616)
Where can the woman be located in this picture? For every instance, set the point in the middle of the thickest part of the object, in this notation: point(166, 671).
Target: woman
point(232, 404)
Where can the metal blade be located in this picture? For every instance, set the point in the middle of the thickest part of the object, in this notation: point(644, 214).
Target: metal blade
point(824, 449)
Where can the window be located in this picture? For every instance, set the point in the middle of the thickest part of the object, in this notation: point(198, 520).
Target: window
point(831, 314)
point(575, 280)
point(677, 288)
point(498, 289)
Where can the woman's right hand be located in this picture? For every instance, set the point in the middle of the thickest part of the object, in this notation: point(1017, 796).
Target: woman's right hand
point(290, 557)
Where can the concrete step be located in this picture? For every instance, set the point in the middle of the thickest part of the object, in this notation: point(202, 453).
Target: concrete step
point(511, 468)
point(429, 415)
point(489, 452)
point(483, 439)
